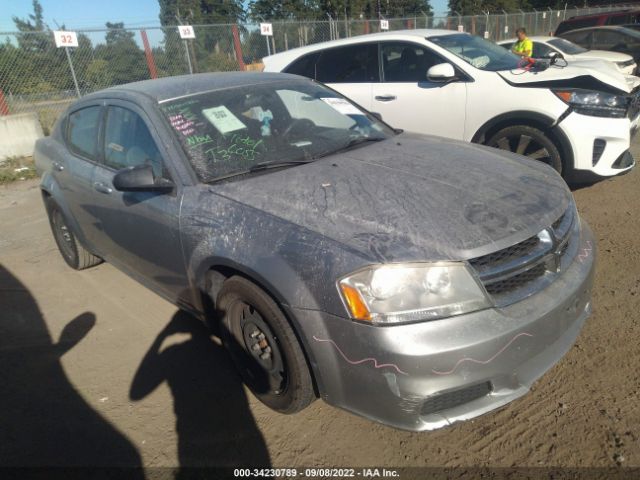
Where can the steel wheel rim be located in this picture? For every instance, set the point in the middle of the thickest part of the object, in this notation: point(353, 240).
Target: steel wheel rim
point(63, 235)
point(264, 366)
point(525, 145)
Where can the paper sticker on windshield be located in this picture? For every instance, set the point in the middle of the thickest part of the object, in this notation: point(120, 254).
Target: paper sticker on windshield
point(342, 106)
point(222, 118)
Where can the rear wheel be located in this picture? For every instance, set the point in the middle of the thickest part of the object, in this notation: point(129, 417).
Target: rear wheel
point(530, 142)
point(76, 256)
point(264, 347)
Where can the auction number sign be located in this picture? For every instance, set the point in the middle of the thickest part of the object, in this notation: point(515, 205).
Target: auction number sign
point(384, 24)
point(266, 29)
point(65, 39)
point(186, 32)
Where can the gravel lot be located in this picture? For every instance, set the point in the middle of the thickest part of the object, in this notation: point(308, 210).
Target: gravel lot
point(97, 370)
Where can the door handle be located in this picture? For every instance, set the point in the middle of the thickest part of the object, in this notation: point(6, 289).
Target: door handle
point(102, 188)
point(385, 98)
point(57, 166)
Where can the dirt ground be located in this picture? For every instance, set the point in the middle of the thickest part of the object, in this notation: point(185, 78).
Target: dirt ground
point(97, 370)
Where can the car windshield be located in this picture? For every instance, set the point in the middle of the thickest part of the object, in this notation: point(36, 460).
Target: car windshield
point(247, 128)
point(565, 46)
point(478, 52)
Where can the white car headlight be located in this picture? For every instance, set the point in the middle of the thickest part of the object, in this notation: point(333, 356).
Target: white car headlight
point(597, 104)
point(397, 293)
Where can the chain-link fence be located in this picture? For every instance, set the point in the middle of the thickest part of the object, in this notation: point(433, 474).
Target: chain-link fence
point(35, 76)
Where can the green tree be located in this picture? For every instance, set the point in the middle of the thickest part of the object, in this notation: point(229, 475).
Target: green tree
point(125, 59)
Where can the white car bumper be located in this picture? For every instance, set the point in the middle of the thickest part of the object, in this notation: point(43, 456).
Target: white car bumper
point(600, 145)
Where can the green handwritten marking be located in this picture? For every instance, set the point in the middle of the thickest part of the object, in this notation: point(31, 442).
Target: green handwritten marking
point(188, 114)
point(197, 140)
point(241, 147)
point(177, 106)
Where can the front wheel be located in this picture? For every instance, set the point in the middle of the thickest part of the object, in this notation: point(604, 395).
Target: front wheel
point(530, 142)
point(264, 347)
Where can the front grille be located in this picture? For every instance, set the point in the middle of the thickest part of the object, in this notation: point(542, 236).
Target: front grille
point(506, 255)
point(455, 398)
point(518, 271)
point(517, 281)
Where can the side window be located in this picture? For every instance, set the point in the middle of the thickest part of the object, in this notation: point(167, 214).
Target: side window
point(581, 38)
point(305, 66)
point(350, 64)
point(82, 131)
point(407, 62)
point(618, 19)
point(540, 50)
point(606, 38)
point(128, 143)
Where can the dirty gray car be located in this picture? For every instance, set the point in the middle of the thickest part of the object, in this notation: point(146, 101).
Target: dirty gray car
point(413, 280)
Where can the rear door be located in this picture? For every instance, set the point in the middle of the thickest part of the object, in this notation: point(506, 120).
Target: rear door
point(352, 70)
point(75, 173)
point(408, 100)
point(140, 229)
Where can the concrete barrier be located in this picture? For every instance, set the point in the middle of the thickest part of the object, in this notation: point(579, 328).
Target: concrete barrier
point(18, 135)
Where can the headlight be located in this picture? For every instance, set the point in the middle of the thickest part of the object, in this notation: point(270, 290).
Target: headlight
point(397, 293)
point(597, 104)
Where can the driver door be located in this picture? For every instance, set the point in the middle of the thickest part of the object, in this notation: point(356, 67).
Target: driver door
point(140, 230)
point(408, 100)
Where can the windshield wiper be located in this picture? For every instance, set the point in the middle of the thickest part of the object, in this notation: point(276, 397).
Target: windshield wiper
point(350, 144)
point(259, 167)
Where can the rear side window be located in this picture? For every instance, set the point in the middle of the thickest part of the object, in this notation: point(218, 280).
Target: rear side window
point(619, 19)
point(349, 64)
point(82, 131)
point(305, 66)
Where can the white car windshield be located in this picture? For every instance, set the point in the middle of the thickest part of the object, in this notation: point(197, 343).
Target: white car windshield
point(565, 46)
point(478, 52)
point(246, 128)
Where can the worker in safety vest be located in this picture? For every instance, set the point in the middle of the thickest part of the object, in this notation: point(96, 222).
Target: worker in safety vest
point(524, 46)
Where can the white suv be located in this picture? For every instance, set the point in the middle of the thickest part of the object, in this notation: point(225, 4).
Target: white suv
point(460, 86)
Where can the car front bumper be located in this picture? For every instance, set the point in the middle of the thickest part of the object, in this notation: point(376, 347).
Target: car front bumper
point(614, 136)
point(428, 375)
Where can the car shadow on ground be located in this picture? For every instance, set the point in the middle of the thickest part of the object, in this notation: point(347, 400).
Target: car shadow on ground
point(44, 421)
point(214, 424)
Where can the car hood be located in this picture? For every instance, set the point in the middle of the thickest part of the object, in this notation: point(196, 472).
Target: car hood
point(412, 198)
point(596, 75)
point(603, 55)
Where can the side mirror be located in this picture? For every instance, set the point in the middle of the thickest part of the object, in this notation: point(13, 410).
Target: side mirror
point(140, 179)
point(442, 72)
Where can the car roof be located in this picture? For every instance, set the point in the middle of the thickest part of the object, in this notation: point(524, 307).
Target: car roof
point(413, 33)
point(179, 86)
point(602, 14)
point(600, 27)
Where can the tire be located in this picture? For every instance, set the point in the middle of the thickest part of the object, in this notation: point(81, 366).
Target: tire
point(530, 142)
point(264, 347)
point(76, 256)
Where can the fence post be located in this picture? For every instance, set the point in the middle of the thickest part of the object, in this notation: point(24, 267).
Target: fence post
point(4, 108)
point(237, 46)
point(366, 26)
point(473, 25)
point(73, 72)
point(148, 54)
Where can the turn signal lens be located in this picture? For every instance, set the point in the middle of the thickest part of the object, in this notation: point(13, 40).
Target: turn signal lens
point(566, 96)
point(356, 305)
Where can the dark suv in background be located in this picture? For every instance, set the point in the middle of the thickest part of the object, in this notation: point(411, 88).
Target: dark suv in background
point(620, 17)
